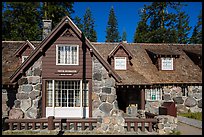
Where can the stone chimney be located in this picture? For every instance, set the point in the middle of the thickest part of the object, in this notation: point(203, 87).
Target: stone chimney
point(47, 27)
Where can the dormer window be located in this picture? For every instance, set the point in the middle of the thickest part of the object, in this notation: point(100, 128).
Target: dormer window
point(120, 63)
point(163, 59)
point(24, 58)
point(167, 64)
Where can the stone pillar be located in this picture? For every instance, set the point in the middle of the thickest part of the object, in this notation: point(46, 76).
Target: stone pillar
point(47, 27)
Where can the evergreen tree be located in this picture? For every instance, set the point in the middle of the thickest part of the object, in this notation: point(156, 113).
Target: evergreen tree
point(142, 28)
point(124, 35)
point(20, 21)
point(196, 37)
point(55, 11)
point(78, 23)
point(183, 28)
point(112, 33)
point(88, 26)
point(161, 23)
point(23, 20)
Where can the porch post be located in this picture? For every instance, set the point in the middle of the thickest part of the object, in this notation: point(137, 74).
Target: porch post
point(142, 93)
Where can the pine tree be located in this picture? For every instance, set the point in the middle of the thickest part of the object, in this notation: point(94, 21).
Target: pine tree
point(78, 23)
point(196, 37)
point(55, 11)
point(161, 23)
point(142, 28)
point(112, 33)
point(23, 20)
point(20, 21)
point(183, 28)
point(88, 26)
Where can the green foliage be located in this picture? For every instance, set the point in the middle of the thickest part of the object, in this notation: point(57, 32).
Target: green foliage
point(88, 26)
point(23, 20)
point(55, 11)
point(196, 37)
point(175, 132)
point(157, 25)
point(112, 33)
point(20, 21)
point(78, 22)
point(197, 115)
point(183, 28)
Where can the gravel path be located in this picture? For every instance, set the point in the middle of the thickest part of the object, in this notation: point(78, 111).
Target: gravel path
point(188, 130)
point(192, 122)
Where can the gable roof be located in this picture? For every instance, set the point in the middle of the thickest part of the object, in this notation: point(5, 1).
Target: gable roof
point(27, 43)
point(40, 49)
point(120, 45)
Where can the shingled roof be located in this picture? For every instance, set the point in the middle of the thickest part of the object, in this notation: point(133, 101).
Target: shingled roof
point(9, 61)
point(144, 71)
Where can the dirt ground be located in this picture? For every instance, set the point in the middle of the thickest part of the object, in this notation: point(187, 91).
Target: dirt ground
point(188, 130)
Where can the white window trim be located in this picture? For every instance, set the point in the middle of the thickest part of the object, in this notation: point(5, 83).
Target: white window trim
point(172, 64)
point(24, 58)
point(81, 96)
point(125, 67)
point(64, 56)
point(158, 90)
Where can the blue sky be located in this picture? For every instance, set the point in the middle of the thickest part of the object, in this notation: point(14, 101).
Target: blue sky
point(126, 14)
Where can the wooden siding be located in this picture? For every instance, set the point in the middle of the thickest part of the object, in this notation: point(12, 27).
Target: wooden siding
point(50, 69)
point(120, 53)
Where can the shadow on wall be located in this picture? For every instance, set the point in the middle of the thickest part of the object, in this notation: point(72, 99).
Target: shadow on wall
point(11, 94)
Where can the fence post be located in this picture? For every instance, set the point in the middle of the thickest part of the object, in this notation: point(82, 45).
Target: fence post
point(51, 124)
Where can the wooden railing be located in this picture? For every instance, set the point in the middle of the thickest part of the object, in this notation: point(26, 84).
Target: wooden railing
point(50, 123)
point(136, 123)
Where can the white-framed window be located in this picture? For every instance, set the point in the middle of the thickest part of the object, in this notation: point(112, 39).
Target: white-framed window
point(24, 58)
point(120, 63)
point(67, 54)
point(66, 93)
point(153, 94)
point(166, 63)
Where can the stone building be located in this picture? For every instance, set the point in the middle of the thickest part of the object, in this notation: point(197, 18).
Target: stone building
point(66, 75)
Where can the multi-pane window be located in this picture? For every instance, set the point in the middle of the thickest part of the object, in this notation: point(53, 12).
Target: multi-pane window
point(166, 63)
point(153, 94)
point(66, 93)
point(67, 54)
point(49, 93)
point(120, 63)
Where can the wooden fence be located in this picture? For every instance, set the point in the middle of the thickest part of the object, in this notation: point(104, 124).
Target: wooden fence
point(136, 123)
point(52, 123)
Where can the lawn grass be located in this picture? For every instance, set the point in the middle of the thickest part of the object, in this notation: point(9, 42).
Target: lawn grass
point(197, 115)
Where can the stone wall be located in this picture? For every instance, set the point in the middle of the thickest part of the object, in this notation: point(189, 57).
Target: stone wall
point(28, 99)
point(186, 99)
point(5, 107)
point(166, 124)
point(104, 100)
